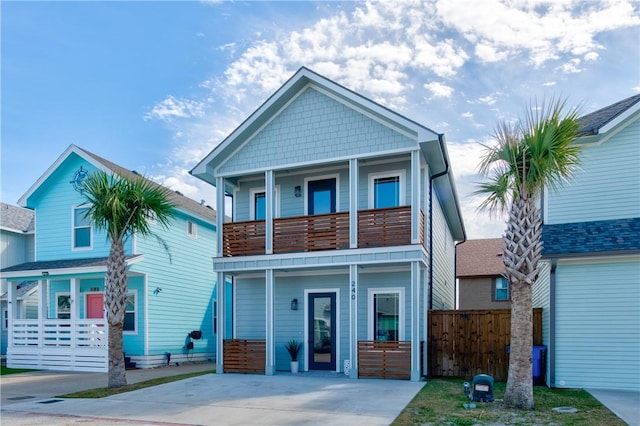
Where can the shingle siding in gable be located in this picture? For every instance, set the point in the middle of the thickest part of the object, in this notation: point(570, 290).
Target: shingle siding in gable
point(314, 127)
point(606, 186)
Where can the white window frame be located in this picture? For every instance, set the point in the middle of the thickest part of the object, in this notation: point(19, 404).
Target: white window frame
point(193, 230)
point(135, 313)
point(55, 303)
point(400, 174)
point(252, 201)
point(73, 230)
point(370, 320)
point(495, 290)
point(335, 176)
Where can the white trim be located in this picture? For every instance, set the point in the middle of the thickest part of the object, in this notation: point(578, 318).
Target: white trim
point(401, 300)
point(145, 288)
point(621, 258)
point(335, 176)
point(307, 291)
point(133, 332)
point(252, 204)
point(400, 174)
point(193, 232)
point(73, 230)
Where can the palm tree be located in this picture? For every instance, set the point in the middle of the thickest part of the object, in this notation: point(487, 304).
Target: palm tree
point(122, 206)
point(531, 154)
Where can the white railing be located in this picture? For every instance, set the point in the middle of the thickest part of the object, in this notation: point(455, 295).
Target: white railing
point(87, 333)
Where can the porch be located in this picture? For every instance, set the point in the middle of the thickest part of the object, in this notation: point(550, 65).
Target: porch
point(375, 228)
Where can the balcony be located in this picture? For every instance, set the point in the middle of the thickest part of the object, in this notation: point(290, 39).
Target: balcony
point(376, 228)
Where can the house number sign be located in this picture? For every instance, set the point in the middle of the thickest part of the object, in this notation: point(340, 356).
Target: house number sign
point(353, 290)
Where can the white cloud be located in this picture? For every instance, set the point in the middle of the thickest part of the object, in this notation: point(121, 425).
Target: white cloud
point(571, 67)
point(439, 90)
point(172, 107)
point(487, 100)
point(549, 83)
point(467, 114)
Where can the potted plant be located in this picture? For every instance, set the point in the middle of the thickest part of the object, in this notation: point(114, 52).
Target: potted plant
point(293, 347)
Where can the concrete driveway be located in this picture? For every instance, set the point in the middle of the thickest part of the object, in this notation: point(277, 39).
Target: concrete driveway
point(232, 399)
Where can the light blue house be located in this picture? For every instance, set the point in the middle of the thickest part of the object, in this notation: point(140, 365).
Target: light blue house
point(590, 288)
point(170, 293)
point(345, 220)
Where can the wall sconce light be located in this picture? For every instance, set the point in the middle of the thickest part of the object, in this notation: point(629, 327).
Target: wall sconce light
point(294, 305)
point(297, 191)
point(157, 290)
point(45, 273)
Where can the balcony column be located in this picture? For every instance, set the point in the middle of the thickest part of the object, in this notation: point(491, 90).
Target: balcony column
point(269, 195)
point(416, 188)
point(415, 321)
point(353, 320)
point(43, 288)
point(220, 213)
point(12, 310)
point(353, 203)
point(220, 306)
point(270, 367)
point(75, 310)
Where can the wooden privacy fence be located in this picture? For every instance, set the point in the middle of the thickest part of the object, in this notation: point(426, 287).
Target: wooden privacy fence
point(466, 343)
point(384, 360)
point(244, 356)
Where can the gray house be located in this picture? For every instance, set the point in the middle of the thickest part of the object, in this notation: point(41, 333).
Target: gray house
point(344, 223)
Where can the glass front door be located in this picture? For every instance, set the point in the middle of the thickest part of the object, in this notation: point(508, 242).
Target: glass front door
point(322, 331)
point(322, 196)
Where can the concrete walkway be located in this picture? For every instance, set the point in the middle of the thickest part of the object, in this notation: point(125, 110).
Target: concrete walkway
point(624, 404)
point(229, 399)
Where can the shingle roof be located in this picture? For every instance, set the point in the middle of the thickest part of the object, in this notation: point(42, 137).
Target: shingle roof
point(592, 122)
point(23, 288)
point(479, 258)
point(177, 198)
point(16, 218)
point(603, 236)
point(60, 264)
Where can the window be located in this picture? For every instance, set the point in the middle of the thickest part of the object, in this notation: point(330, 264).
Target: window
point(5, 318)
point(258, 203)
point(63, 306)
point(130, 313)
point(81, 228)
point(386, 189)
point(502, 289)
point(386, 320)
point(321, 194)
point(192, 229)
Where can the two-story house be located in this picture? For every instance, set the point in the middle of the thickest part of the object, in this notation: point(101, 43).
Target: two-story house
point(345, 219)
point(16, 246)
point(590, 287)
point(479, 269)
point(170, 290)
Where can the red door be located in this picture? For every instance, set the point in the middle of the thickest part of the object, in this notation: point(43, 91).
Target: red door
point(95, 305)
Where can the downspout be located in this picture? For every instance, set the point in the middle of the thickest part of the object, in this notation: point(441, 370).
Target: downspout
point(552, 324)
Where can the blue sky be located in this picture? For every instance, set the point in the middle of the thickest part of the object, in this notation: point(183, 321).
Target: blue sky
point(154, 86)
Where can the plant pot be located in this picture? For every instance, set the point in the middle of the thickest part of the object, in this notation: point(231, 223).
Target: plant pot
point(294, 366)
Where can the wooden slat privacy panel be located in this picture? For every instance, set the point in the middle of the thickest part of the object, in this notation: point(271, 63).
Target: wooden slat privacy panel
point(243, 238)
point(384, 360)
point(311, 233)
point(466, 343)
point(384, 227)
point(244, 356)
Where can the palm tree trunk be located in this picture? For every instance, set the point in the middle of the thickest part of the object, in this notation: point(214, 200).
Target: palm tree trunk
point(115, 304)
point(523, 246)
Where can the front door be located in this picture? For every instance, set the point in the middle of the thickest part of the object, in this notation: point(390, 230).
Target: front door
point(95, 305)
point(322, 331)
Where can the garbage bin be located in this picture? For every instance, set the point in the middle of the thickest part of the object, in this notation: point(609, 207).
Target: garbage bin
point(539, 361)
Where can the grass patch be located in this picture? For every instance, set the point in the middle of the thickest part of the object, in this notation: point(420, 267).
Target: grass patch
point(440, 402)
point(5, 370)
point(102, 392)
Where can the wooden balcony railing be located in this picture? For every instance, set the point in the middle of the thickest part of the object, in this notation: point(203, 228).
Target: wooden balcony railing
point(376, 228)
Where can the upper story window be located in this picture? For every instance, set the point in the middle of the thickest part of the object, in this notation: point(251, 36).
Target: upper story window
point(82, 234)
point(386, 189)
point(192, 229)
point(258, 203)
point(501, 289)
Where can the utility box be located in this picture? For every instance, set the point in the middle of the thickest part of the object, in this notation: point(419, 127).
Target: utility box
point(482, 388)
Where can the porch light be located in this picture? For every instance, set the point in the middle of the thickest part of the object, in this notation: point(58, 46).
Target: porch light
point(297, 191)
point(294, 305)
point(45, 273)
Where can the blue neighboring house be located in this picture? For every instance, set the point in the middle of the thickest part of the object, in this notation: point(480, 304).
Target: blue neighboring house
point(170, 293)
point(590, 287)
point(344, 224)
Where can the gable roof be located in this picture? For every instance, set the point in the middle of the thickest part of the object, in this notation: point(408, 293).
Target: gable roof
point(431, 143)
point(604, 119)
point(16, 219)
point(480, 258)
point(182, 203)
